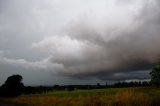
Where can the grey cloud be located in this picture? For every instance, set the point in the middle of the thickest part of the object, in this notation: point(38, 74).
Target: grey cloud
point(121, 75)
point(109, 50)
point(30, 65)
point(114, 39)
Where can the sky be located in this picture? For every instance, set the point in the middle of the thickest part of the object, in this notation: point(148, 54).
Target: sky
point(78, 41)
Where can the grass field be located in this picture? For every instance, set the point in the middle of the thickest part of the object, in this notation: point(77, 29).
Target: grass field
point(96, 97)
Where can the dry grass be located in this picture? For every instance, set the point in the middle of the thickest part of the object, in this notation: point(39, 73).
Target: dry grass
point(129, 97)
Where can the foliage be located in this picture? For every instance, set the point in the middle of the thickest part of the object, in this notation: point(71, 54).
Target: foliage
point(131, 84)
point(12, 87)
point(155, 75)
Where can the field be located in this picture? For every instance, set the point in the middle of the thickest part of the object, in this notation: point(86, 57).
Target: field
point(97, 97)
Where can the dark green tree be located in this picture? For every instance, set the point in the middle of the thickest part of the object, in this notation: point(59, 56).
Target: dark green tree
point(12, 87)
point(155, 75)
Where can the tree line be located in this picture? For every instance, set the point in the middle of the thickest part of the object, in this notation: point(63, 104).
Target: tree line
point(14, 86)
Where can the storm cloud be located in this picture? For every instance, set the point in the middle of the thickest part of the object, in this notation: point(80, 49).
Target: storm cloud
point(107, 40)
point(108, 45)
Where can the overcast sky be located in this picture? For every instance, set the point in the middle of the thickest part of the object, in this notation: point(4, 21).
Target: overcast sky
point(78, 41)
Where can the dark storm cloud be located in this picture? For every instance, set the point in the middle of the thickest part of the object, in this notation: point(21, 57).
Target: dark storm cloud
point(109, 49)
point(108, 40)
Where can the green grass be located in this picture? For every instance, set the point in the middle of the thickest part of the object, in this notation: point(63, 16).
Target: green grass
point(76, 93)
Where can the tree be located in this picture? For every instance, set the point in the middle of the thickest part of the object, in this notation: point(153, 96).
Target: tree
point(12, 87)
point(155, 75)
point(98, 85)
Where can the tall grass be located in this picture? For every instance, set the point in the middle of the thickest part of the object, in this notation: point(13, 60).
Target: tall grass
point(97, 97)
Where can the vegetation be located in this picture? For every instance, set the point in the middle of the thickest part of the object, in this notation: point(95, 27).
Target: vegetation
point(138, 96)
point(155, 75)
point(118, 94)
point(12, 87)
